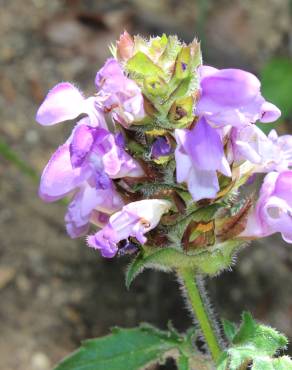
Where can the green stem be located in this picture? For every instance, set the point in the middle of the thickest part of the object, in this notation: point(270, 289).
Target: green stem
point(195, 298)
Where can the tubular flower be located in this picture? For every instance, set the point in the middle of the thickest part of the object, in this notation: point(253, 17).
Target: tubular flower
point(166, 145)
point(86, 164)
point(232, 97)
point(268, 153)
point(134, 220)
point(118, 94)
point(273, 210)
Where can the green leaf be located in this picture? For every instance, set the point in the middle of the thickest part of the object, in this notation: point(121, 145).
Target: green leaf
point(262, 364)
point(253, 343)
point(123, 349)
point(135, 349)
point(229, 329)
point(183, 362)
point(264, 338)
point(282, 363)
point(277, 84)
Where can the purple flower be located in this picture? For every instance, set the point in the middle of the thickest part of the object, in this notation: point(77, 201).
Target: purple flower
point(199, 155)
point(160, 148)
point(273, 211)
point(91, 205)
point(87, 162)
point(135, 219)
point(232, 97)
point(118, 94)
point(268, 153)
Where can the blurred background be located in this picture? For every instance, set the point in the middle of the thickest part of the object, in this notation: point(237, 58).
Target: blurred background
point(56, 292)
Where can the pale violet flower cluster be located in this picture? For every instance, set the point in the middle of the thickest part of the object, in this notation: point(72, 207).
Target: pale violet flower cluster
point(92, 156)
point(98, 168)
point(230, 99)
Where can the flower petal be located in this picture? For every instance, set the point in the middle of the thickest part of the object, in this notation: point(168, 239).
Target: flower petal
point(81, 144)
point(59, 178)
point(230, 87)
point(85, 205)
point(203, 184)
point(283, 187)
point(204, 145)
point(63, 102)
point(269, 112)
point(117, 162)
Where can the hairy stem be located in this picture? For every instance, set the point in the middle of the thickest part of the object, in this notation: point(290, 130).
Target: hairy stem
point(192, 290)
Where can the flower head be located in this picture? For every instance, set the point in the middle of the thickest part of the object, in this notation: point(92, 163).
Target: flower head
point(165, 134)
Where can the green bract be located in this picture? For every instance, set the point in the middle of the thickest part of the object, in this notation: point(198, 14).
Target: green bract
point(165, 70)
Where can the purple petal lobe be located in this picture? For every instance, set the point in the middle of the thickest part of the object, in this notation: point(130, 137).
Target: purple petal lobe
point(117, 162)
point(109, 74)
point(59, 177)
point(64, 102)
point(81, 144)
point(199, 155)
point(204, 145)
point(160, 148)
point(89, 204)
point(269, 112)
point(232, 97)
point(232, 87)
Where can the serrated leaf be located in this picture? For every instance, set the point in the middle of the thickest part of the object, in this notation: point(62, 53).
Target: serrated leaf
point(229, 329)
point(263, 337)
point(123, 349)
point(282, 363)
point(262, 364)
point(253, 343)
